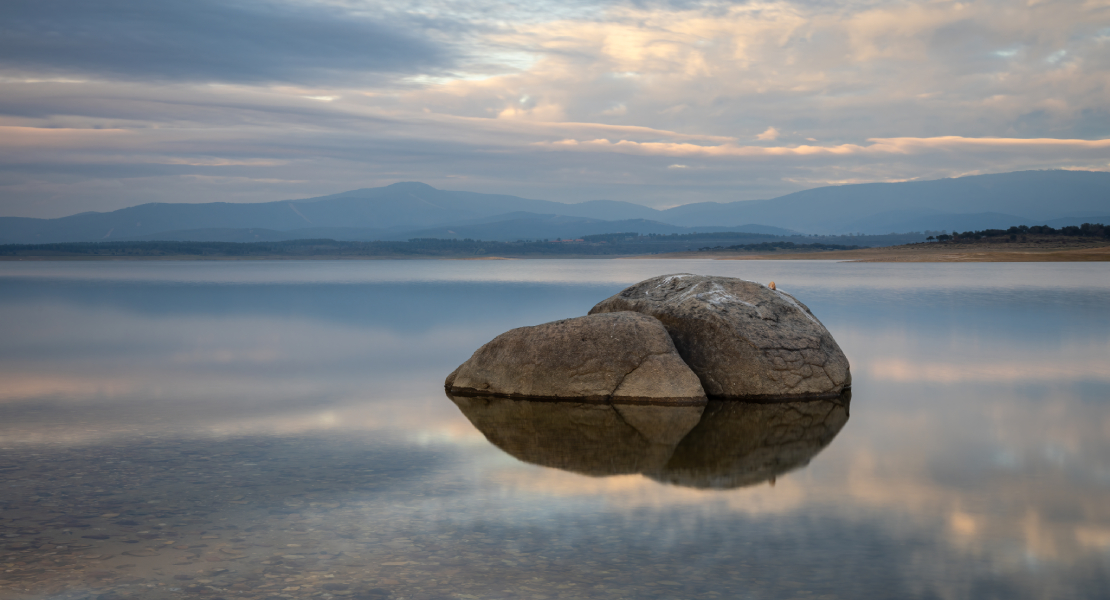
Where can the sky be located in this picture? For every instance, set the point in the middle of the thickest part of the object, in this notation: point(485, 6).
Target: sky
point(111, 103)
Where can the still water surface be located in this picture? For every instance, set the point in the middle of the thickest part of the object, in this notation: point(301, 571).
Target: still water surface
point(279, 430)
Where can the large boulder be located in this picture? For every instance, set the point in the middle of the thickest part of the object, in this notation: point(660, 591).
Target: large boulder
point(618, 358)
point(744, 340)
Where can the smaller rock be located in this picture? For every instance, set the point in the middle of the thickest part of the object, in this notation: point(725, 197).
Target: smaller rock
point(616, 357)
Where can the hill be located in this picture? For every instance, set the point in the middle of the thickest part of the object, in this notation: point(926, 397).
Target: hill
point(975, 202)
point(406, 210)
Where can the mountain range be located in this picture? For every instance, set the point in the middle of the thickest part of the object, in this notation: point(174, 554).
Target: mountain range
point(414, 210)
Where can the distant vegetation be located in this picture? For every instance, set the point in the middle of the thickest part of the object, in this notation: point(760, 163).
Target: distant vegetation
point(818, 243)
point(775, 246)
point(611, 244)
point(608, 244)
point(1096, 230)
point(634, 237)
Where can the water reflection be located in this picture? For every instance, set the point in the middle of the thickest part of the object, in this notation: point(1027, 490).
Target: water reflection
point(738, 444)
point(729, 445)
point(591, 439)
point(278, 430)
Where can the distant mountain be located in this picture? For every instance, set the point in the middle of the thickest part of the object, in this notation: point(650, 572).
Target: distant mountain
point(405, 210)
point(899, 221)
point(257, 234)
point(1026, 195)
point(540, 227)
point(518, 226)
point(395, 208)
point(1066, 221)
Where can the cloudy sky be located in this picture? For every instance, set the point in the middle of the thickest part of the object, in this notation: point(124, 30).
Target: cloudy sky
point(111, 103)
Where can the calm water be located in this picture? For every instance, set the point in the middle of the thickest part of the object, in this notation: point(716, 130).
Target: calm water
point(279, 430)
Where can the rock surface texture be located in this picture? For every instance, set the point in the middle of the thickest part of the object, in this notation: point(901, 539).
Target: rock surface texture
point(618, 358)
point(744, 340)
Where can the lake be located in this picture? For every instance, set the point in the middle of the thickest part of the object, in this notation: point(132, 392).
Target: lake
point(279, 430)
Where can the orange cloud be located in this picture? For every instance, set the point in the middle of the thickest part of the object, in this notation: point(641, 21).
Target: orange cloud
point(877, 146)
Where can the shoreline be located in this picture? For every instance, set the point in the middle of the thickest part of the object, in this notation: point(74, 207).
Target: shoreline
point(1054, 250)
point(1059, 251)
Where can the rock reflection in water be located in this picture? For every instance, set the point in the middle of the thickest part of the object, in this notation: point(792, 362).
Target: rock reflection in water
point(729, 445)
point(740, 443)
point(590, 439)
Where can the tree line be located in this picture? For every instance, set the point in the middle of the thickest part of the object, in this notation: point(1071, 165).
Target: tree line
point(626, 243)
point(1096, 230)
point(417, 247)
point(776, 246)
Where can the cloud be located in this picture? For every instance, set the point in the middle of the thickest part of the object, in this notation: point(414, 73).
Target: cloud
point(118, 102)
point(208, 41)
point(770, 135)
point(873, 147)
